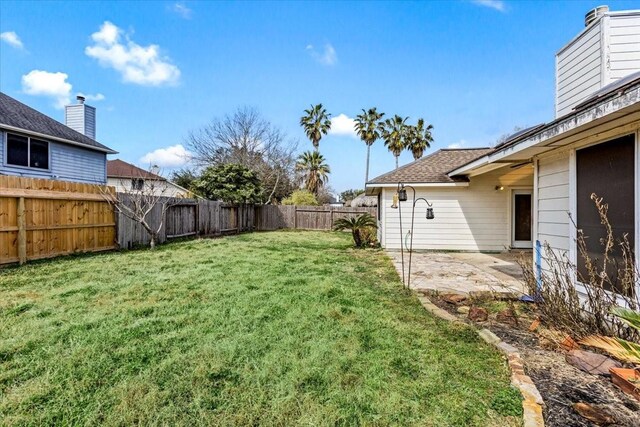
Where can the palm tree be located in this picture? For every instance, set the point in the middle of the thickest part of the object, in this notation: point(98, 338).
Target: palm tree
point(419, 138)
point(314, 169)
point(369, 128)
point(356, 226)
point(394, 135)
point(316, 122)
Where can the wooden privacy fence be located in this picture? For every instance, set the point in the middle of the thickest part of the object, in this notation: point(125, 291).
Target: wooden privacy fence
point(183, 218)
point(274, 217)
point(42, 218)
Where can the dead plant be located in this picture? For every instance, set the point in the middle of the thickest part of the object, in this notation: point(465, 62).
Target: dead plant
point(607, 282)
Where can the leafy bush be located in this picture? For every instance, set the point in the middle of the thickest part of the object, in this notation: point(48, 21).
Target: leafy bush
point(229, 182)
point(357, 226)
point(301, 198)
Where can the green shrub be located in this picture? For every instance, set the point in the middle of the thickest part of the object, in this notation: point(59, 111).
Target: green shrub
point(359, 226)
point(301, 198)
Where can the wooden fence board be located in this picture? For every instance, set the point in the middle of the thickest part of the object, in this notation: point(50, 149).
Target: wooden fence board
point(45, 218)
point(42, 218)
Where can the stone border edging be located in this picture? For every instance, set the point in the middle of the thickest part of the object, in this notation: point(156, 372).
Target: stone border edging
point(532, 400)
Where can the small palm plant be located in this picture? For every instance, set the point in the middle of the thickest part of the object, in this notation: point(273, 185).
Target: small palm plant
point(394, 135)
point(316, 122)
point(369, 128)
point(624, 350)
point(356, 225)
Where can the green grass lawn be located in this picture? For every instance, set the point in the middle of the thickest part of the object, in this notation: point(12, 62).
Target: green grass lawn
point(274, 329)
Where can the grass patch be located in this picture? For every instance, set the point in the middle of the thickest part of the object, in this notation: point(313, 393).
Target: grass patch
point(281, 328)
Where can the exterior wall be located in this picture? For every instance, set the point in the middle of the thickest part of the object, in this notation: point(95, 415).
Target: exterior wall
point(473, 218)
point(579, 69)
point(556, 200)
point(66, 162)
point(624, 46)
point(607, 50)
point(160, 188)
point(552, 219)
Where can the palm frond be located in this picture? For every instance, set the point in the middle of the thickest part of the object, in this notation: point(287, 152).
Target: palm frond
point(628, 316)
point(626, 351)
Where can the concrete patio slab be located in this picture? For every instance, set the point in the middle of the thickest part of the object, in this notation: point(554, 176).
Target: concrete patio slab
point(461, 272)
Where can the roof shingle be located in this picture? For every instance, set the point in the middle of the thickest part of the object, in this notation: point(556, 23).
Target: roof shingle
point(18, 115)
point(120, 169)
point(432, 168)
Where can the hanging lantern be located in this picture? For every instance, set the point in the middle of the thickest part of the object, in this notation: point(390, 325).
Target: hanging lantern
point(402, 194)
point(430, 213)
point(394, 205)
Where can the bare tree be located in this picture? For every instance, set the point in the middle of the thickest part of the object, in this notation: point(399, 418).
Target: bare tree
point(246, 138)
point(137, 198)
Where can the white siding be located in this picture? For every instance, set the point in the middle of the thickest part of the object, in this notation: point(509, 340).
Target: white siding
point(578, 70)
point(474, 218)
point(624, 46)
point(160, 188)
point(606, 51)
point(81, 118)
point(553, 202)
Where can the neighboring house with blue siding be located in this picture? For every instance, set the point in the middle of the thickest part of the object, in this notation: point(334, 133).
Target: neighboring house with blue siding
point(37, 146)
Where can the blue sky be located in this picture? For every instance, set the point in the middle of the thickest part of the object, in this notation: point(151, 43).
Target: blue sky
point(156, 70)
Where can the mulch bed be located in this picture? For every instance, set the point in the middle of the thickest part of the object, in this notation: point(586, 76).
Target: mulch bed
point(560, 384)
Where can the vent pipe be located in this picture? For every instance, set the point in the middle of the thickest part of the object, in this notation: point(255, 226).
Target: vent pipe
point(595, 14)
point(80, 99)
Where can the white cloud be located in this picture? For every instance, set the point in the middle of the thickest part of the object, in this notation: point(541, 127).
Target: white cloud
point(137, 64)
point(328, 56)
point(182, 9)
point(44, 83)
point(169, 157)
point(460, 144)
point(97, 97)
point(343, 125)
point(498, 5)
point(12, 39)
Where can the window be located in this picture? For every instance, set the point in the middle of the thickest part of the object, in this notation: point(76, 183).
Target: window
point(137, 184)
point(27, 152)
point(608, 170)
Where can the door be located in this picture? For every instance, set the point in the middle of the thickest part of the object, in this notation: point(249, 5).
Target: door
point(522, 211)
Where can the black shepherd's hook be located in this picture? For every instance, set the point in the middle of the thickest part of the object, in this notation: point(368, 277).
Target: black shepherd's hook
point(401, 194)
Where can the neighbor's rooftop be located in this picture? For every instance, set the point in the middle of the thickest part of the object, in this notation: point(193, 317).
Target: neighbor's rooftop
point(120, 169)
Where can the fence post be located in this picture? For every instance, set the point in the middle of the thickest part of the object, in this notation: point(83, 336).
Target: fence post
point(295, 217)
point(331, 218)
point(22, 233)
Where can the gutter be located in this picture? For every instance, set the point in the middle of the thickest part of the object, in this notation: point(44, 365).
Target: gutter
point(55, 138)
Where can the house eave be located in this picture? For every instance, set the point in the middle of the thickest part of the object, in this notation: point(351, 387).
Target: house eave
point(612, 107)
point(371, 189)
point(57, 139)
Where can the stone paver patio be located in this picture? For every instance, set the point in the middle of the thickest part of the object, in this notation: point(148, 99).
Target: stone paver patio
point(462, 272)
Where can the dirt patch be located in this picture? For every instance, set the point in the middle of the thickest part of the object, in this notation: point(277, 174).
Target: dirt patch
point(560, 384)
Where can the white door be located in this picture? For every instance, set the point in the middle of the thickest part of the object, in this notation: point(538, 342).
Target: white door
point(521, 215)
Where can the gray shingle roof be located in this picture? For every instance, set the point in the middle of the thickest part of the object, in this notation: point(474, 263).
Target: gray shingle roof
point(18, 115)
point(432, 168)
